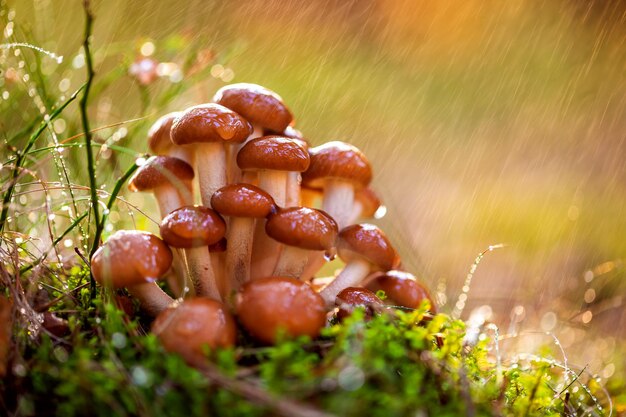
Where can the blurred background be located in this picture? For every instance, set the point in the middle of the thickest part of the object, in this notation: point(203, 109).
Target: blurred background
point(486, 122)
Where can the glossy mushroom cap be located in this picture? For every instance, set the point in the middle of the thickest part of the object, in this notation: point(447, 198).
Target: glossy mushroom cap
point(257, 104)
point(130, 257)
point(337, 160)
point(368, 242)
point(209, 123)
point(403, 289)
point(158, 171)
point(192, 226)
point(291, 133)
point(242, 200)
point(302, 227)
point(193, 326)
point(369, 201)
point(159, 139)
point(352, 297)
point(276, 153)
point(268, 307)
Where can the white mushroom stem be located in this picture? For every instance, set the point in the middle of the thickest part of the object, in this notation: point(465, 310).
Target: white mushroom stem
point(338, 201)
point(352, 275)
point(315, 262)
point(357, 209)
point(152, 298)
point(182, 152)
point(168, 198)
point(234, 173)
point(218, 262)
point(239, 251)
point(201, 272)
point(292, 262)
point(211, 169)
point(292, 198)
point(275, 184)
point(265, 253)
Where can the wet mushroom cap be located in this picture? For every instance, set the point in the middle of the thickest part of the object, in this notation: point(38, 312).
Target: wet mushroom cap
point(158, 171)
point(194, 325)
point(352, 297)
point(366, 241)
point(302, 227)
point(242, 200)
point(257, 104)
point(273, 153)
point(209, 123)
point(130, 257)
point(159, 139)
point(337, 160)
point(269, 307)
point(402, 288)
point(192, 226)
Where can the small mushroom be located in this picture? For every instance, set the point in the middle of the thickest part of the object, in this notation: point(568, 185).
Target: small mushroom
point(211, 127)
point(273, 306)
point(243, 204)
point(339, 168)
point(134, 260)
point(302, 230)
point(193, 326)
point(194, 228)
point(352, 297)
point(364, 248)
point(263, 108)
point(402, 289)
point(160, 140)
point(168, 178)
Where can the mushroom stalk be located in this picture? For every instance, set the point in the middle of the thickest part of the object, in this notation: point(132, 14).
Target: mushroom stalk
point(239, 252)
point(201, 272)
point(338, 201)
point(315, 262)
point(292, 262)
point(351, 276)
point(265, 253)
point(152, 298)
point(275, 184)
point(211, 169)
point(234, 173)
point(292, 198)
point(168, 198)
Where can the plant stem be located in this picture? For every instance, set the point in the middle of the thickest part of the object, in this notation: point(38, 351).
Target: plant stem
point(116, 190)
point(93, 185)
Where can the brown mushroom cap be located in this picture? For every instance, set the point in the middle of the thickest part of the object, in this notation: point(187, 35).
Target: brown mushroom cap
point(192, 226)
point(257, 104)
point(209, 123)
point(158, 171)
point(402, 288)
point(273, 152)
point(291, 133)
point(242, 200)
point(370, 202)
point(338, 160)
point(268, 306)
point(159, 139)
point(366, 241)
point(352, 297)
point(130, 257)
point(194, 325)
point(302, 227)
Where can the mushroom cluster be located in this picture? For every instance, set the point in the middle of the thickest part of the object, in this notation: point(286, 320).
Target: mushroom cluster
point(250, 215)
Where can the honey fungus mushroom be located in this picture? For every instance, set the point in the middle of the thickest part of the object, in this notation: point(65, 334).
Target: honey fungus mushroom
point(302, 230)
point(273, 306)
point(160, 140)
point(168, 178)
point(364, 248)
point(134, 260)
point(193, 326)
point(353, 297)
point(211, 128)
point(402, 289)
point(194, 228)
